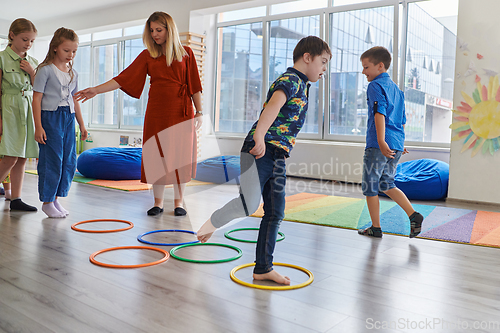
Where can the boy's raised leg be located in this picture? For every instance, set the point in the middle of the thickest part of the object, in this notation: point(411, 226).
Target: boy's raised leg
point(400, 198)
point(244, 205)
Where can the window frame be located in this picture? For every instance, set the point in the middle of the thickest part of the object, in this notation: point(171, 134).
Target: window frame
point(265, 76)
point(120, 44)
point(266, 21)
point(346, 8)
point(321, 89)
point(121, 60)
point(91, 64)
point(93, 83)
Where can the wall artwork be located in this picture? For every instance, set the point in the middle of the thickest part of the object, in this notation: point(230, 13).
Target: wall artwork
point(477, 119)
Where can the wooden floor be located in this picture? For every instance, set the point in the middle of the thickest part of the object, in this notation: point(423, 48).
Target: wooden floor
point(47, 283)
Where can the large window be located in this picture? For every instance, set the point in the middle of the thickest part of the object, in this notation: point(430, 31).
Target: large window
point(429, 75)
point(100, 57)
point(105, 68)
point(422, 44)
point(353, 32)
point(82, 66)
point(133, 108)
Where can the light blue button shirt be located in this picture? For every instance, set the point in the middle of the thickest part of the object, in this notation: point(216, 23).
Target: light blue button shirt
point(385, 97)
point(46, 82)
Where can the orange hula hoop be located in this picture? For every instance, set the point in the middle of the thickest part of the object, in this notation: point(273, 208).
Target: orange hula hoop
point(131, 225)
point(166, 255)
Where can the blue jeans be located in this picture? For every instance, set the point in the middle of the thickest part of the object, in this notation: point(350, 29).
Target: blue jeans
point(57, 157)
point(265, 176)
point(378, 172)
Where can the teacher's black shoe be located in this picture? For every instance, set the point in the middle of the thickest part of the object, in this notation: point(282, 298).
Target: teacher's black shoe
point(17, 204)
point(179, 211)
point(155, 211)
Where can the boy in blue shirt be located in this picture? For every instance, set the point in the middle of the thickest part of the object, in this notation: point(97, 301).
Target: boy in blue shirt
point(263, 154)
point(385, 138)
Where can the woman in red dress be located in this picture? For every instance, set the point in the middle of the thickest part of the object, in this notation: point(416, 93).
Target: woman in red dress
point(170, 124)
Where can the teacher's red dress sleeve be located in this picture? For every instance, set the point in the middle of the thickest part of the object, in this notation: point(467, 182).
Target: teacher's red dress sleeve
point(194, 83)
point(132, 78)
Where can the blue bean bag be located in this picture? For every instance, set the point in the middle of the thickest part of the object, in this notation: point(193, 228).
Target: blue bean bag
point(110, 163)
point(219, 170)
point(424, 179)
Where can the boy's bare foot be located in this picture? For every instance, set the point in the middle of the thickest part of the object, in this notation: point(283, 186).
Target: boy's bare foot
point(206, 231)
point(273, 276)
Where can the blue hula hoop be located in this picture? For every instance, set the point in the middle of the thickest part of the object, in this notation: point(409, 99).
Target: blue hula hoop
point(139, 238)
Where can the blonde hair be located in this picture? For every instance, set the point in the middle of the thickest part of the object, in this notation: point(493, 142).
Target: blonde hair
point(173, 48)
point(19, 26)
point(61, 35)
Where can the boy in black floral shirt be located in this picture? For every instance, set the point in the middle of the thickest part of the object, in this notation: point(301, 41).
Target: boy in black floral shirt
point(263, 154)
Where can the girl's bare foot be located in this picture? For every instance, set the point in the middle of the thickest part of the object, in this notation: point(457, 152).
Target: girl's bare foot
point(206, 231)
point(273, 276)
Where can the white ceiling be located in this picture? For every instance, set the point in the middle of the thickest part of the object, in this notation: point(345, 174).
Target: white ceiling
point(39, 11)
point(45, 10)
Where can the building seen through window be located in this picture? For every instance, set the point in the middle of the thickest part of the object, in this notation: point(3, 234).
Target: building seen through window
point(240, 78)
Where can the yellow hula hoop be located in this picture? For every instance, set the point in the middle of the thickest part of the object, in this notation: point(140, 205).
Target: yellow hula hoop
point(257, 286)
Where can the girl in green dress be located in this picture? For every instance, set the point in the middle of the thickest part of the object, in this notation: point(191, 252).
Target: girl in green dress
point(16, 124)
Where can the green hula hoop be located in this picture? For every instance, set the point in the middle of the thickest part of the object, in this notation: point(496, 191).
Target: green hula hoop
point(173, 250)
point(282, 235)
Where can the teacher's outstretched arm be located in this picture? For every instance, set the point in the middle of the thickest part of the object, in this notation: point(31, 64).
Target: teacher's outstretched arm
point(86, 94)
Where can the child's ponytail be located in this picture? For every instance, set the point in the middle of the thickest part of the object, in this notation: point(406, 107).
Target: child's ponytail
point(59, 37)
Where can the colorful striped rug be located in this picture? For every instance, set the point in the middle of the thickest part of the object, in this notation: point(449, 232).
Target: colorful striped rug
point(441, 223)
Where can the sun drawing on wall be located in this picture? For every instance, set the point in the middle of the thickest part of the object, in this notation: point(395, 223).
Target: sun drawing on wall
point(478, 119)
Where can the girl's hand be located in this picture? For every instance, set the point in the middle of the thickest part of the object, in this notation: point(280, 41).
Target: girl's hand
point(40, 135)
point(83, 133)
point(198, 121)
point(85, 94)
point(405, 151)
point(259, 149)
point(26, 66)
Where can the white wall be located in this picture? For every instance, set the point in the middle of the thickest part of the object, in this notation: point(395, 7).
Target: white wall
point(107, 138)
point(475, 178)
point(112, 15)
point(118, 15)
point(340, 161)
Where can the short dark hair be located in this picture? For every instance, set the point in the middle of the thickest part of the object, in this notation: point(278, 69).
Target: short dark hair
point(377, 55)
point(313, 45)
